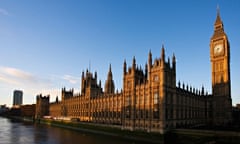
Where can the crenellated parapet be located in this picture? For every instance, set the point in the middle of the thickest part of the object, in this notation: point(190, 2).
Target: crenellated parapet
point(136, 72)
point(160, 65)
point(89, 84)
point(40, 97)
point(161, 62)
point(66, 94)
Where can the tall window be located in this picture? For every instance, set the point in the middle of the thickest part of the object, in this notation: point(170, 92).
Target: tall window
point(137, 100)
point(127, 101)
point(141, 99)
point(129, 84)
point(156, 109)
point(127, 112)
point(156, 112)
point(146, 100)
point(221, 66)
point(155, 78)
point(156, 98)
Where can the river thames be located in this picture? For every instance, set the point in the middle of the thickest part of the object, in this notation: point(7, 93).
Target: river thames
point(17, 132)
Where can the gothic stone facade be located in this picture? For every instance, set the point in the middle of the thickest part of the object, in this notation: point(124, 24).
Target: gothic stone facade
point(151, 100)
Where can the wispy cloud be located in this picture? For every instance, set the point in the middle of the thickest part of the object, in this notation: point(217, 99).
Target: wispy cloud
point(6, 80)
point(3, 12)
point(32, 84)
point(71, 79)
point(17, 73)
point(21, 78)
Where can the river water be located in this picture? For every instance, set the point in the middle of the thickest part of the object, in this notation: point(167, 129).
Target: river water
point(17, 132)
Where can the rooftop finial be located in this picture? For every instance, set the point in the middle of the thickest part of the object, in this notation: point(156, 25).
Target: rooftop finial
point(110, 72)
point(89, 65)
point(110, 68)
point(174, 57)
point(163, 46)
point(150, 54)
point(218, 22)
point(134, 60)
point(218, 9)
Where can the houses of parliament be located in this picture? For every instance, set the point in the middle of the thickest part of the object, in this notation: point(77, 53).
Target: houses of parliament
point(151, 100)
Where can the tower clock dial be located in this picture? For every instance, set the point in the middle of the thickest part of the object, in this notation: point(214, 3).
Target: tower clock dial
point(218, 49)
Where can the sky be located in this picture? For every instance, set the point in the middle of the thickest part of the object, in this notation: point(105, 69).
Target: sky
point(45, 45)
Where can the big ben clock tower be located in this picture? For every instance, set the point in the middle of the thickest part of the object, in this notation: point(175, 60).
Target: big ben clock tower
point(221, 82)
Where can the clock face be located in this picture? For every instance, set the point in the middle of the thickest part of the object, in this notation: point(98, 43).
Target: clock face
point(218, 49)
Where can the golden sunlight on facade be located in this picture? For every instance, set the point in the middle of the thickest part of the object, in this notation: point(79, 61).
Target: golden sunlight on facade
point(151, 100)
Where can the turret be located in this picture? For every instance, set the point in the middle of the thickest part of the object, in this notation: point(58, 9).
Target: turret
point(146, 71)
point(82, 74)
point(150, 59)
point(109, 85)
point(202, 92)
point(124, 67)
point(163, 54)
point(134, 63)
point(100, 83)
point(57, 99)
point(82, 83)
point(110, 72)
point(95, 75)
point(174, 62)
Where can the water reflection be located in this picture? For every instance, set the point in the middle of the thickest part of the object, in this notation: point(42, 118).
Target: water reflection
point(15, 132)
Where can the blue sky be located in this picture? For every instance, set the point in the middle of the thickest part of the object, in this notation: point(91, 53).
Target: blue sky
point(45, 45)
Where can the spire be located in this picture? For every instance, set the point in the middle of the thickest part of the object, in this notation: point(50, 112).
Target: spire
point(150, 58)
point(173, 58)
point(174, 61)
point(100, 83)
point(134, 63)
point(57, 99)
point(125, 67)
point(218, 27)
point(82, 74)
point(110, 67)
point(109, 85)
point(110, 72)
point(179, 84)
point(146, 70)
point(202, 92)
point(218, 23)
point(134, 60)
point(163, 53)
point(95, 75)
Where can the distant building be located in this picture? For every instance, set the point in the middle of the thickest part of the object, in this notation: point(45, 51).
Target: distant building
point(17, 98)
point(28, 110)
point(15, 111)
point(3, 109)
